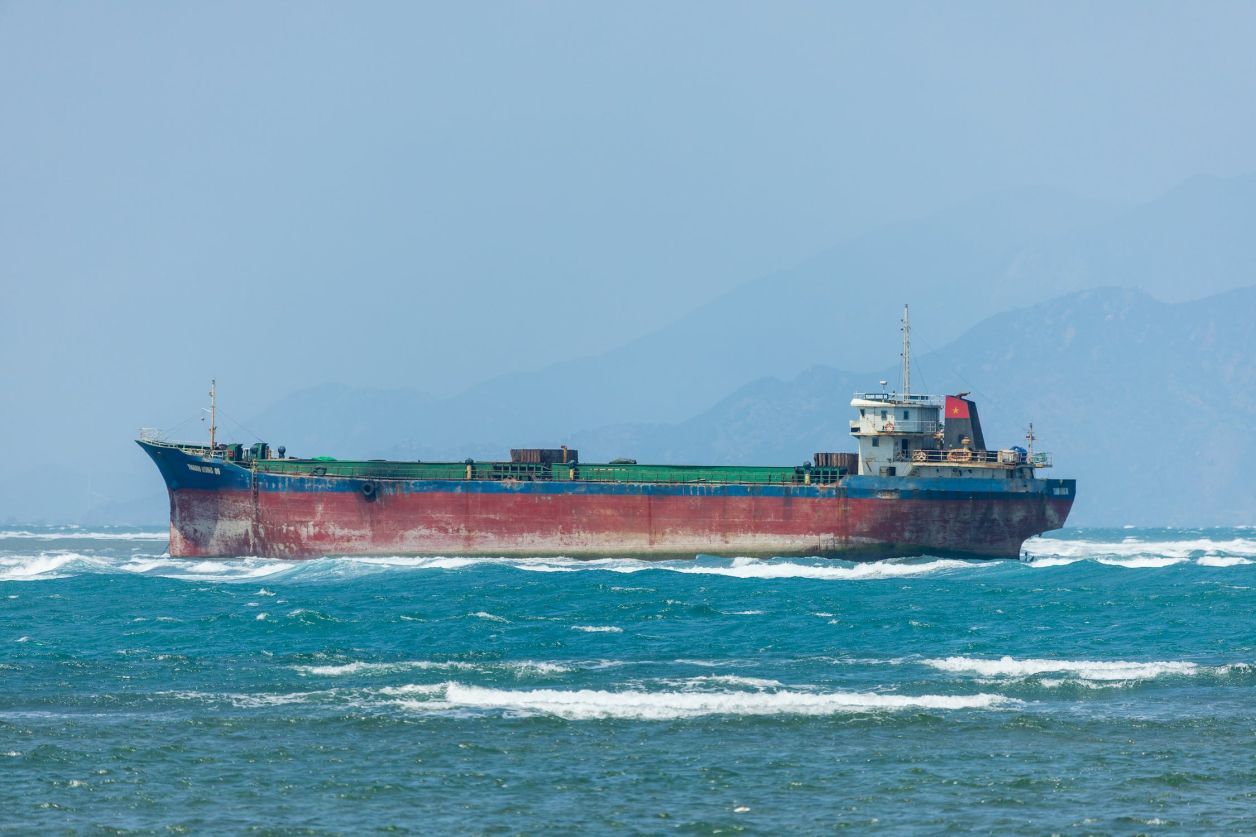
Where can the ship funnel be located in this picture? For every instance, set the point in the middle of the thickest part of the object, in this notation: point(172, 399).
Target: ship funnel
point(962, 422)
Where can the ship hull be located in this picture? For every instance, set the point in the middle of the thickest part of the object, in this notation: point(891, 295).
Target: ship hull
point(222, 509)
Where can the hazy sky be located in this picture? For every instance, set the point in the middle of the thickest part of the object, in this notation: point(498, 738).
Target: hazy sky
point(429, 195)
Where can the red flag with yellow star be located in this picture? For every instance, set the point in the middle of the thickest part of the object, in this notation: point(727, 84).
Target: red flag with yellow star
point(956, 408)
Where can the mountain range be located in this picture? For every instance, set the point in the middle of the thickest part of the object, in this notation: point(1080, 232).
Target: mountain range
point(1123, 333)
point(1147, 403)
point(841, 307)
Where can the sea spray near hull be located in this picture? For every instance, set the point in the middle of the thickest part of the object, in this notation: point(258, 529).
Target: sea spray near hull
point(220, 508)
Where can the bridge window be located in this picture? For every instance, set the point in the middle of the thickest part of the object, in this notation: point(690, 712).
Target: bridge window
point(905, 414)
point(883, 414)
point(876, 441)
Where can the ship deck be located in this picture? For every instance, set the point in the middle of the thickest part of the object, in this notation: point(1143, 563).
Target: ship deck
point(558, 472)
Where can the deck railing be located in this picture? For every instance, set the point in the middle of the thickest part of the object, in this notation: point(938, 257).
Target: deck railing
point(892, 425)
point(899, 398)
point(964, 456)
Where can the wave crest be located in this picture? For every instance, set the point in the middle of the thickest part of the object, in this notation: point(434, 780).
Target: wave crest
point(1095, 670)
point(590, 704)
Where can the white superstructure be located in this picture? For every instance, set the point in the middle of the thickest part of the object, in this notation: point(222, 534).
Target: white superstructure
point(901, 434)
point(892, 426)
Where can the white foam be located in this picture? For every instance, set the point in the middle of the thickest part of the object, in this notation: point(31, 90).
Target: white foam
point(1080, 682)
point(247, 701)
point(438, 562)
point(1084, 669)
point(745, 568)
point(1129, 553)
point(755, 568)
point(588, 704)
point(730, 680)
point(519, 668)
point(77, 534)
point(1222, 561)
point(490, 617)
point(1043, 563)
point(414, 689)
point(380, 668)
point(598, 629)
point(347, 668)
point(1142, 563)
point(223, 569)
point(43, 566)
point(1132, 547)
point(529, 667)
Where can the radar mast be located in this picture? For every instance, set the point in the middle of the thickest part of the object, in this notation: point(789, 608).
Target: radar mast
point(906, 329)
point(213, 414)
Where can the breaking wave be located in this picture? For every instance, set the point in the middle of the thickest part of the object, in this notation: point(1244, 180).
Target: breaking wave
point(708, 680)
point(43, 566)
point(1093, 671)
point(1137, 553)
point(1222, 561)
point(745, 568)
point(757, 568)
point(62, 563)
point(1145, 562)
point(80, 534)
point(519, 668)
point(1043, 553)
point(591, 704)
point(1046, 563)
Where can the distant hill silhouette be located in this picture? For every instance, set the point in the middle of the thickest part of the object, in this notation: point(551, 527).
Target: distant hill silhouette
point(1149, 404)
point(840, 308)
point(1128, 390)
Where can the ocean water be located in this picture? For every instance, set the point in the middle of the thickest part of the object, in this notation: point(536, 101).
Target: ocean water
point(1107, 684)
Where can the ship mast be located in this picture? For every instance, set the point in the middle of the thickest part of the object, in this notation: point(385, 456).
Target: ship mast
point(213, 413)
point(906, 328)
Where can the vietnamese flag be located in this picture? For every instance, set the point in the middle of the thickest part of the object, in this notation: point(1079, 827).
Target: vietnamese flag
point(956, 408)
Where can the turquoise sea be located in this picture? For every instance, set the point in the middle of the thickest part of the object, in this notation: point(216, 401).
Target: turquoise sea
point(1106, 684)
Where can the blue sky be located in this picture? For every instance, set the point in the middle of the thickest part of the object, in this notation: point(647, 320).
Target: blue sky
point(428, 195)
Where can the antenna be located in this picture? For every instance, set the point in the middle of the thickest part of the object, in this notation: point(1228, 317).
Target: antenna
point(213, 413)
point(1029, 439)
point(906, 353)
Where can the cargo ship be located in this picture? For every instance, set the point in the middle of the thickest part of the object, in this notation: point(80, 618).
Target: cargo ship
point(922, 482)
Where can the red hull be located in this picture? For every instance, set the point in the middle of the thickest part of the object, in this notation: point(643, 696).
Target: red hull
point(307, 524)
